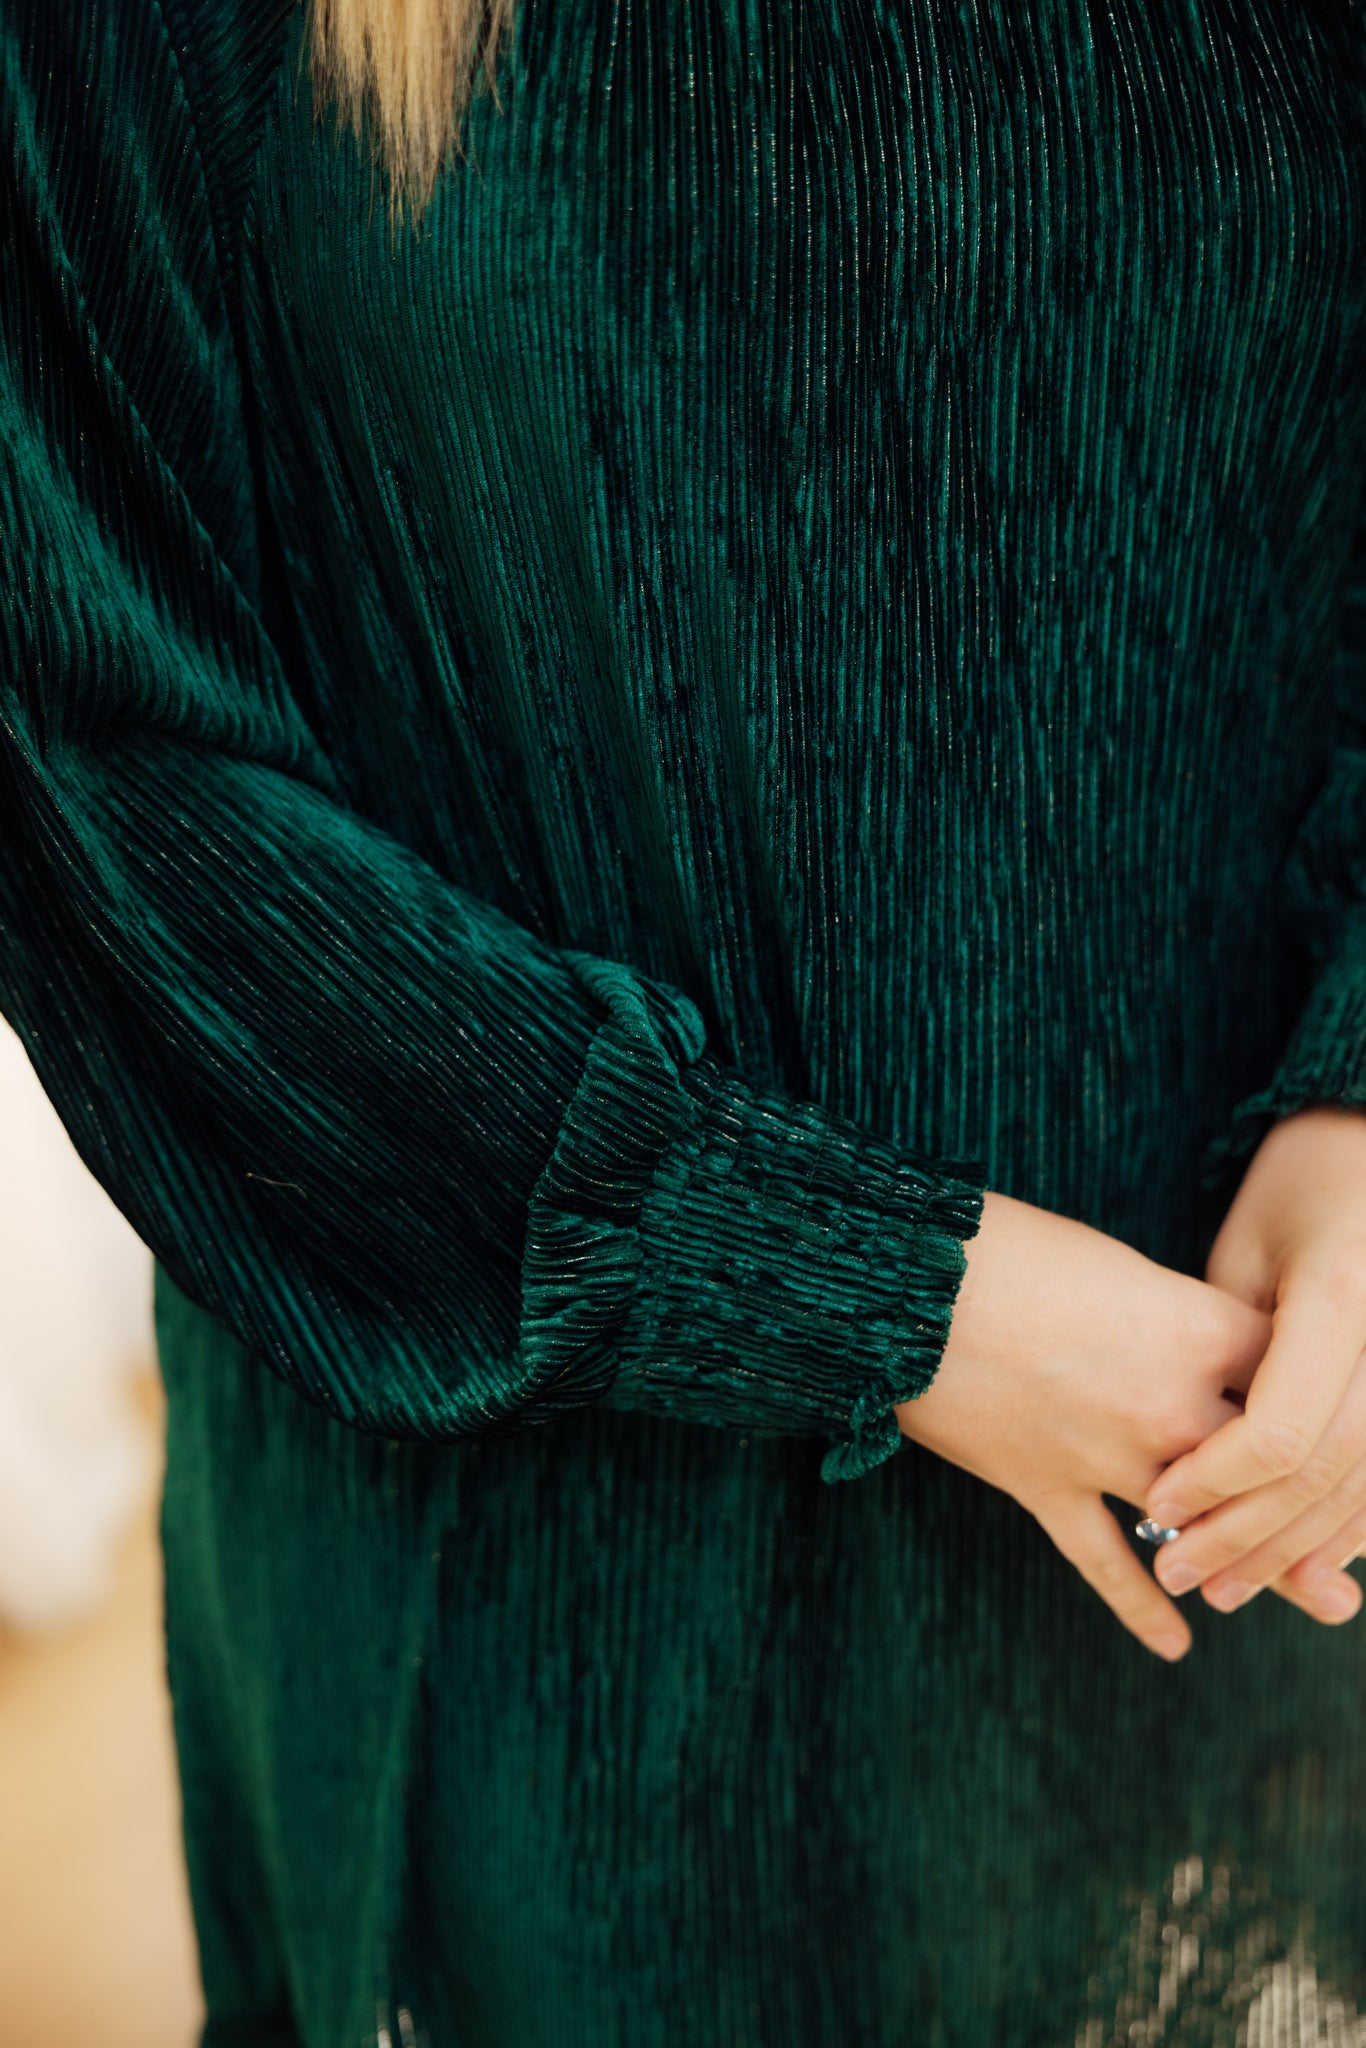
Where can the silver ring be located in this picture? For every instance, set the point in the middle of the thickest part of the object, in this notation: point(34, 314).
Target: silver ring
point(1153, 1532)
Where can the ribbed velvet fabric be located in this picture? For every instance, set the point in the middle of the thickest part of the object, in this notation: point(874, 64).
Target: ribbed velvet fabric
point(574, 784)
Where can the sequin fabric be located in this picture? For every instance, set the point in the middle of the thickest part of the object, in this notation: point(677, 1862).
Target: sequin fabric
point(575, 785)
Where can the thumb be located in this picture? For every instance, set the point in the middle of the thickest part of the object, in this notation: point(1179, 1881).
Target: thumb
point(1244, 1344)
point(1246, 1334)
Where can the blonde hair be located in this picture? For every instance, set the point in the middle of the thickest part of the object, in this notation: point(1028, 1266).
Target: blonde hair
point(410, 69)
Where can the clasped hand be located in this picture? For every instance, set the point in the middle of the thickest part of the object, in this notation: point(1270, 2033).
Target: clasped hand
point(1277, 1496)
point(1233, 1407)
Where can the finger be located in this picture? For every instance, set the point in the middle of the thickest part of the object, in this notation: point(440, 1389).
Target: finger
point(1089, 1537)
point(1333, 1599)
point(1301, 1538)
point(1320, 1579)
point(1211, 1392)
point(1249, 1541)
point(1316, 1340)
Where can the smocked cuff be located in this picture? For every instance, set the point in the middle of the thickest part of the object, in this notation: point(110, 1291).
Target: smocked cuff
point(796, 1273)
point(1323, 1063)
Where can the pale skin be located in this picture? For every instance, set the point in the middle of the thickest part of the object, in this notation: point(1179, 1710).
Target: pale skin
point(1233, 1406)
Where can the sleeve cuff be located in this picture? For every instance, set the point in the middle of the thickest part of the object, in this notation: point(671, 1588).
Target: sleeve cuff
point(1324, 1063)
point(796, 1274)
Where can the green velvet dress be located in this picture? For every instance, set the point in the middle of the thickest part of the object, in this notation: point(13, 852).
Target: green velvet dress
point(575, 783)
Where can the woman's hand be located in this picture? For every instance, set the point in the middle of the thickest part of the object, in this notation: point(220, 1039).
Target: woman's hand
point(1075, 1367)
point(1280, 1491)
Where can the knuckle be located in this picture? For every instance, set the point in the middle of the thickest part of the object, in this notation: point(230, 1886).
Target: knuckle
point(1333, 1269)
point(1343, 1281)
point(1170, 1427)
point(1208, 1329)
point(1300, 1573)
point(1105, 1573)
point(1314, 1477)
point(1278, 1447)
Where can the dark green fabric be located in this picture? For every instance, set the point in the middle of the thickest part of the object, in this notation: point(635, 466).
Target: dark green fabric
point(573, 786)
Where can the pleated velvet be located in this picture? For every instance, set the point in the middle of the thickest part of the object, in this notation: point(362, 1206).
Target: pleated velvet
point(577, 780)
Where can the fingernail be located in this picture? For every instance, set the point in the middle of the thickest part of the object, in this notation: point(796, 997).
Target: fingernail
point(1179, 1578)
point(1168, 1514)
point(1337, 1601)
point(1230, 1595)
point(1170, 1647)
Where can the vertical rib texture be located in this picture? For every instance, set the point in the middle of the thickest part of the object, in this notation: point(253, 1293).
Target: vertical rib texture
point(395, 1138)
point(575, 784)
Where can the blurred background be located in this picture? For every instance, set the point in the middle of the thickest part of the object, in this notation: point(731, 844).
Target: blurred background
point(96, 1945)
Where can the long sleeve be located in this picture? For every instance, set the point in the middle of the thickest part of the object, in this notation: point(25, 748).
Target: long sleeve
point(1323, 908)
point(444, 1177)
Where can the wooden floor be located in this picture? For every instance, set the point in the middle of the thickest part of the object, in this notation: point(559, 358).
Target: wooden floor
point(96, 1948)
